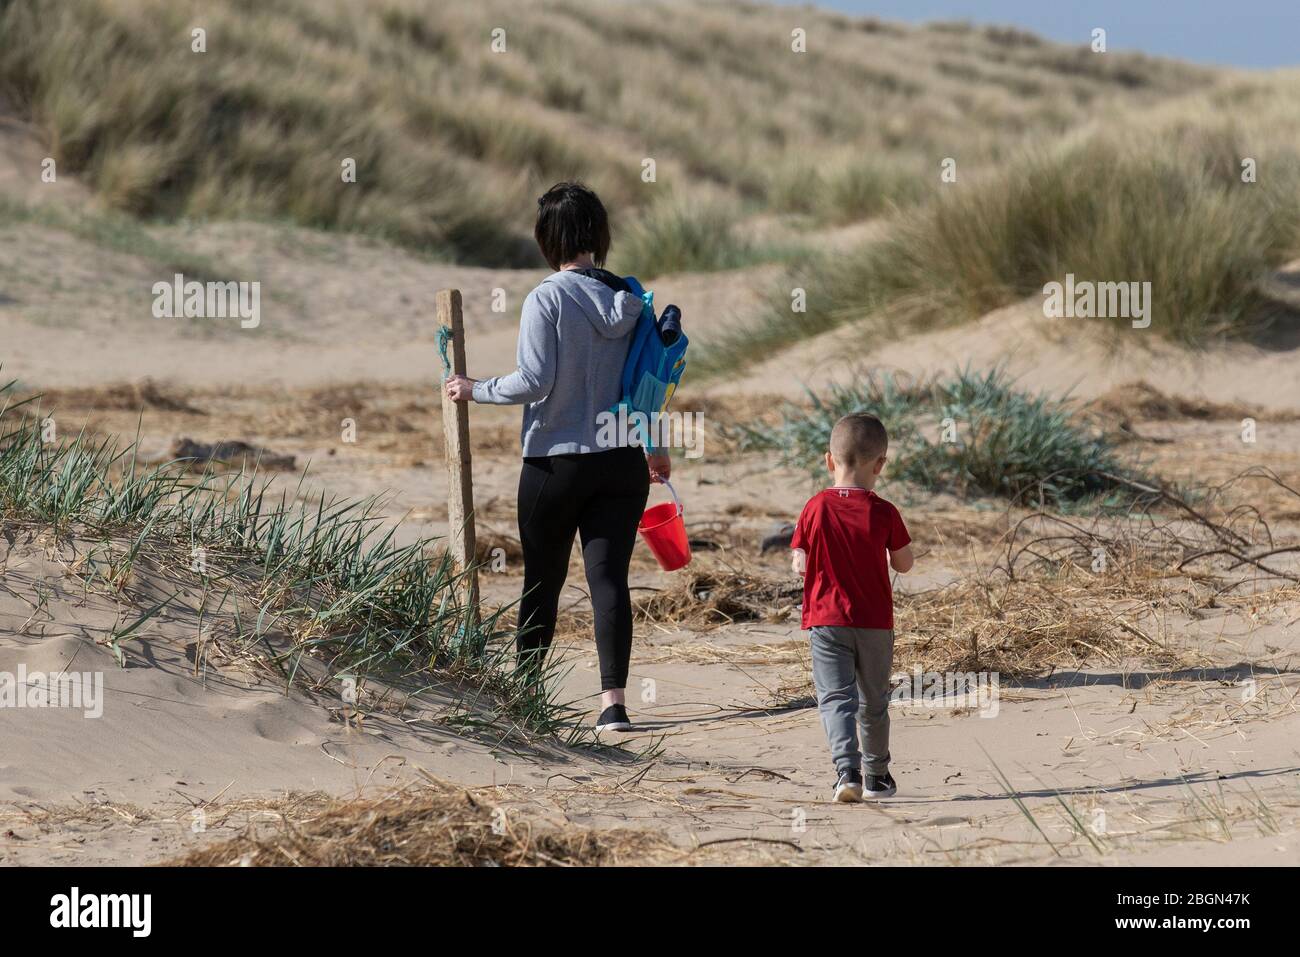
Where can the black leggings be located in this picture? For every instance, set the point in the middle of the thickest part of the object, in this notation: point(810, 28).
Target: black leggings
point(600, 495)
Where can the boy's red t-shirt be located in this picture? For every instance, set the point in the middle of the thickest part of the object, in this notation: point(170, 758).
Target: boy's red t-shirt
point(845, 533)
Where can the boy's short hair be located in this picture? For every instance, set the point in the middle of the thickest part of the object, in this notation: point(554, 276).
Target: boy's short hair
point(858, 438)
point(571, 221)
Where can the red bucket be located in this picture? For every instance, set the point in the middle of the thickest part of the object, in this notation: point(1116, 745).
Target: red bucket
point(664, 533)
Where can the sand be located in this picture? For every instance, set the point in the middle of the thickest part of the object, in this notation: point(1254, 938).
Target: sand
point(1182, 768)
point(1080, 357)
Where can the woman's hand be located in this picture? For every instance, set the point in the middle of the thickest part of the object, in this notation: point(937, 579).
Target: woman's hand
point(661, 466)
point(460, 388)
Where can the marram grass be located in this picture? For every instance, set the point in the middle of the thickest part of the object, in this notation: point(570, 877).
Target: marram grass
point(327, 579)
point(454, 136)
point(969, 433)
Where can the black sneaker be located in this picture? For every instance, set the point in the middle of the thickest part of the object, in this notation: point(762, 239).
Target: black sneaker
point(881, 785)
point(848, 789)
point(613, 718)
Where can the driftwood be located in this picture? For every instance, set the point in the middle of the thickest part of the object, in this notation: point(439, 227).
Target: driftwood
point(231, 452)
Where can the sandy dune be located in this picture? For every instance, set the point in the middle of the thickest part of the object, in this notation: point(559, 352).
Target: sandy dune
point(1145, 749)
point(734, 750)
point(1082, 357)
point(1183, 766)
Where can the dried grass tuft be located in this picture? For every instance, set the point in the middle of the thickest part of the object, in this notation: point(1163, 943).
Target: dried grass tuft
point(438, 826)
point(491, 546)
point(1023, 629)
point(1142, 401)
point(705, 598)
point(125, 397)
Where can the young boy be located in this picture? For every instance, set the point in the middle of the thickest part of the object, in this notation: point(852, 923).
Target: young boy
point(840, 546)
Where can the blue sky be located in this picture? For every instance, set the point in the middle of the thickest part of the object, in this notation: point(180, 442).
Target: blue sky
point(1249, 33)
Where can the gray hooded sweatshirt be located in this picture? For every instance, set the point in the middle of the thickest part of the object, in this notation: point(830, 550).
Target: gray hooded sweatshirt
point(574, 336)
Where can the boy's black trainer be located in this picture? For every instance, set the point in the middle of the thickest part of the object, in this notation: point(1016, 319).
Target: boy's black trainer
point(848, 789)
point(881, 785)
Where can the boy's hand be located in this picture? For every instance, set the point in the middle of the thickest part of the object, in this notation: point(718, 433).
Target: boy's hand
point(902, 559)
point(799, 561)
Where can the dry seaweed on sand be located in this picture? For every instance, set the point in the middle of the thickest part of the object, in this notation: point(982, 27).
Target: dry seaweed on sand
point(793, 651)
point(437, 825)
point(1066, 594)
point(1025, 628)
point(1140, 401)
point(704, 598)
point(1220, 535)
point(493, 546)
point(125, 397)
point(231, 452)
point(1017, 629)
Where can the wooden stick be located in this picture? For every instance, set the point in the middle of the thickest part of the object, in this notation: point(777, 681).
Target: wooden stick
point(460, 472)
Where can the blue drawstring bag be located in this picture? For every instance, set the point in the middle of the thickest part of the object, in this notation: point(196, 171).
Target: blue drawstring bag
point(653, 367)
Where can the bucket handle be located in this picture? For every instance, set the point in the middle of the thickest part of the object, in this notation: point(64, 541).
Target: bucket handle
point(673, 493)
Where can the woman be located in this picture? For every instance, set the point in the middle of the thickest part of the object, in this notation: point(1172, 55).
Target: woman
point(573, 340)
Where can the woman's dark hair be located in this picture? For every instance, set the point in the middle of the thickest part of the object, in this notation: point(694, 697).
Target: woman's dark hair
point(571, 221)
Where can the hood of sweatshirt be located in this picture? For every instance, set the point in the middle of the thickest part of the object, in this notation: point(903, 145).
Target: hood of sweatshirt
point(612, 312)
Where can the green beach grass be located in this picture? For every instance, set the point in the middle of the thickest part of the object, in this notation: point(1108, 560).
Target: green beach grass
point(971, 434)
point(325, 577)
